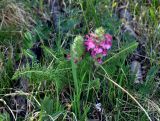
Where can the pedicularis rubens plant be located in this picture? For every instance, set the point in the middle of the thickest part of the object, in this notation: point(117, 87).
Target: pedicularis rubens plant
point(95, 43)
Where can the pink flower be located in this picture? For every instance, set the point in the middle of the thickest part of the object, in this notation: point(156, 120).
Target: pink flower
point(75, 60)
point(90, 44)
point(68, 57)
point(87, 36)
point(93, 53)
point(99, 60)
point(108, 37)
point(104, 53)
point(106, 44)
point(98, 50)
point(98, 46)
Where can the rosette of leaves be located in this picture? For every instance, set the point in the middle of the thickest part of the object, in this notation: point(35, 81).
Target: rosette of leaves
point(77, 48)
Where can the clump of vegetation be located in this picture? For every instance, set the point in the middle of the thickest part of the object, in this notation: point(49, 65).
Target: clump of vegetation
point(83, 71)
point(14, 21)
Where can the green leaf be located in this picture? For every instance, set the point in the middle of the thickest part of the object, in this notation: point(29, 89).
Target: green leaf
point(28, 40)
point(4, 117)
point(124, 51)
point(69, 24)
point(151, 74)
point(148, 87)
point(47, 105)
point(152, 14)
point(94, 84)
point(29, 53)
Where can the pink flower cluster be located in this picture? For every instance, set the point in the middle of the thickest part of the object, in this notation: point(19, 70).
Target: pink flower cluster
point(98, 45)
